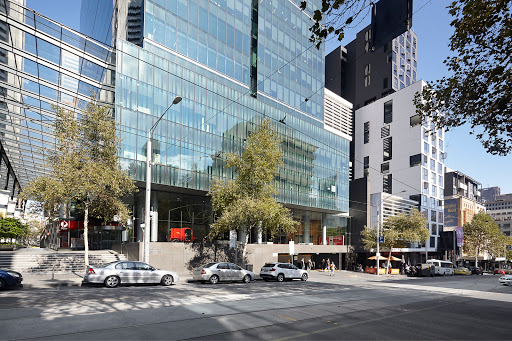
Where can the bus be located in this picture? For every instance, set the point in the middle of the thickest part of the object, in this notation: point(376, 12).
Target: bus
point(442, 267)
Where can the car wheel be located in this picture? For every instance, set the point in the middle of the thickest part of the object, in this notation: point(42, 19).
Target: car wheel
point(2, 284)
point(247, 279)
point(112, 281)
point(304, 277)
point(280, 278)
point(214, 279)
point(167, 280)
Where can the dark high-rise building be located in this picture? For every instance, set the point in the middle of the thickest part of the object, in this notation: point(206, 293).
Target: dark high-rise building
point(490, 193)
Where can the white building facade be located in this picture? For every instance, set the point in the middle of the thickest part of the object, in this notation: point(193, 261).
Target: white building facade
point(402, 157)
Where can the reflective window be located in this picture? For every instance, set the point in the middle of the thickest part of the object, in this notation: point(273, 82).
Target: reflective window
point(48, 51)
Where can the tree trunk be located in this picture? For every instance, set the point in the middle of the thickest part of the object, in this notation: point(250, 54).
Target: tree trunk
point(244, 252)
point(86, 234)
point(476, 256)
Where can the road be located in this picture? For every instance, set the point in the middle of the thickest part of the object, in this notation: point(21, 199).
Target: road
point(348, 306)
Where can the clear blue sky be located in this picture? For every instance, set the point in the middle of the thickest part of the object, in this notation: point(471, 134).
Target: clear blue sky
point(431, 22)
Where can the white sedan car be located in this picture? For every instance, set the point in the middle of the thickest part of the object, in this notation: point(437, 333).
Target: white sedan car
point(506, 280)
point(128, 272)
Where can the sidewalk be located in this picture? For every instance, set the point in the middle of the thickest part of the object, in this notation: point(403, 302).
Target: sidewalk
point(34, 280)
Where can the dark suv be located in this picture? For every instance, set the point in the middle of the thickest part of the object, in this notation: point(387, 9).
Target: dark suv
point(476, 270)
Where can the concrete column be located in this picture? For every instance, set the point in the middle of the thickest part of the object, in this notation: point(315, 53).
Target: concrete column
point(324, 229)
point(139, 215)
point(307, 227)
point(154, 217)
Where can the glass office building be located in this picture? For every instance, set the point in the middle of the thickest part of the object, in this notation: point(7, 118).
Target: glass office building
point(42, 64)
point(234, 63)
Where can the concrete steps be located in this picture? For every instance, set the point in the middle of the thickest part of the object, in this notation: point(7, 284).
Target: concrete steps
point(59, 261)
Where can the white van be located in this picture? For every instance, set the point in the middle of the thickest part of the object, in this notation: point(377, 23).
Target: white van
point(442, 267)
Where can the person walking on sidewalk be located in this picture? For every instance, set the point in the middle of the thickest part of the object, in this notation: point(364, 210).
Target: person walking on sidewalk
point(323, 264)
point(328, 264)
point(332, 266)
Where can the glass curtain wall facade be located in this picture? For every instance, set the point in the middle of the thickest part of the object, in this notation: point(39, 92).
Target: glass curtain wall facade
point(202, 51)
point(42, 64)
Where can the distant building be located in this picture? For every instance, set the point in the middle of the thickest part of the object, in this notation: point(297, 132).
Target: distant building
point(501, 211)
point(462, 196)
point(489, 194)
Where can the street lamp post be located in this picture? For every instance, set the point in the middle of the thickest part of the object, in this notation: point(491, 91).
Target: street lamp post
point(149, 158)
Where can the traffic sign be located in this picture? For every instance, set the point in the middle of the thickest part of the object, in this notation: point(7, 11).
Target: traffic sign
point(381, 239)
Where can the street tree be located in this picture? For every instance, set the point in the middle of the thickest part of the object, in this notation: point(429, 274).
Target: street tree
point(13, 229)
point(483, 234)
point(248, 202)
point(398, 231)
point(477, 90)
point(84, 168)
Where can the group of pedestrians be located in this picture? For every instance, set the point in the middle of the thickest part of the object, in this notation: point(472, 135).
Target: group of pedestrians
point(326, 265)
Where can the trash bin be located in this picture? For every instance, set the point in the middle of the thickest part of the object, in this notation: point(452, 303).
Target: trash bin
point(248, 267)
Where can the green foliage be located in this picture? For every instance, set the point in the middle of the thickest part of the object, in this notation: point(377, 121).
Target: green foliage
point(12, 228)
point(249, 199)
point(483, 234)
point(333, 17)
point(84, 168)
point(398, 231)
point(478, 92)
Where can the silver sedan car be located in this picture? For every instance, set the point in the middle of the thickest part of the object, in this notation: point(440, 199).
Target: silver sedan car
point(215, 272)
point(128, 272)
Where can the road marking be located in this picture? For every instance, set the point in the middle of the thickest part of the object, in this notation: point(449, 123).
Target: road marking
point(289, 318)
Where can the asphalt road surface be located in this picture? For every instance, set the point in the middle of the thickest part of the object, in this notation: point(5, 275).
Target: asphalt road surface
point(348, 306)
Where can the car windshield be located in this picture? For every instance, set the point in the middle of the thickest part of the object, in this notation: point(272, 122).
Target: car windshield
point(269, 265)
point(209, 265)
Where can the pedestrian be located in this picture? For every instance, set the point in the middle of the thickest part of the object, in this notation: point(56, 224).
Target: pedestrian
point(303, 265)
point(323, 264)
point(332, 267)
point(328, 264)
point(309, 265)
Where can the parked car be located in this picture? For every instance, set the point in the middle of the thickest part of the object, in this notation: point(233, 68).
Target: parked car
point(499, 272)
point(128, 272)
point(216, 272)
point(462, 271)
point(506, 280)
point(9, 278)
point(476, 270)
point(282, 271)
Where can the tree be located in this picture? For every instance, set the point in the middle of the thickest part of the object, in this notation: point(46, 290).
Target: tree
point(84, 168)
point(398, 231)
point(12, 228)
point(248, 202)
point(483, 234)
point(478, 91)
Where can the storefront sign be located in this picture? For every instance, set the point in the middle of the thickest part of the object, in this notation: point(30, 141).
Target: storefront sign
point(65, 225)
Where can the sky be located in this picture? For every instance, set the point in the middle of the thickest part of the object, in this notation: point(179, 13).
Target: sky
point(431, 23)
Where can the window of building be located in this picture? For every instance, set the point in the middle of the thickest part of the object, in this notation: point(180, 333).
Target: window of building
point(433, 177)
point(425, 187)
point(384, 131)
point(432, 165)
point(426, 148)
point(425, 161)
point(433, 242)
point(384, 167)
point(441, 145)
point(387, 186)
point(366, 132)
point(387, 148)
point(366, 165)
point(415, 120)
point(424, 200)
point(441, 180)
point(367, 75)
point(415, 160)
point(388, 112)
point(434, 152)
point(367, 40)
point(425, 174)
point(434, 191)
point(440, 168)
point(434, 229)
point(440, 217)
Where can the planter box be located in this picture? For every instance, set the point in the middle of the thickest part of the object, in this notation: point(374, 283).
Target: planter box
point(7, 247)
